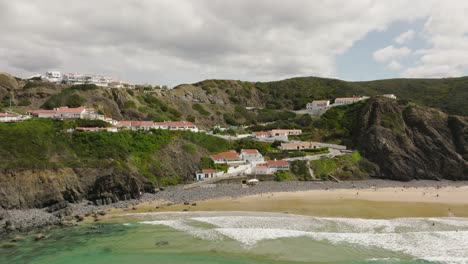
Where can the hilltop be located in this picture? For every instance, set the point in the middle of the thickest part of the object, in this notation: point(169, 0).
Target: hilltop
point(224, 102)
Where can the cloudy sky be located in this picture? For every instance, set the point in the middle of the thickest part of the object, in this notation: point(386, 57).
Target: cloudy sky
point(181, 41)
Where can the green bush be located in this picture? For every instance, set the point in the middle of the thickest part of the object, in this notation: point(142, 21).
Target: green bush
point(284, 176)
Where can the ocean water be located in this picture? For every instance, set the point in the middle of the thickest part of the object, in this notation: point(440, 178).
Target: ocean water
point(245, 237)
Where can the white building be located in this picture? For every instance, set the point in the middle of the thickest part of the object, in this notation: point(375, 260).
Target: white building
point(271, 166)
point(136, 125)
point(207, 174)
point(176, 125)
point(67, 113)
point(285, 132)
point(53, 76)
point(94, 129)
point(318, 104)
point(229, 157)
point(252, 156)
point(299, 145)
point(9, 117)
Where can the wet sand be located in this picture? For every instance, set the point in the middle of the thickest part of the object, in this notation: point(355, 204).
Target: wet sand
point(363, 203)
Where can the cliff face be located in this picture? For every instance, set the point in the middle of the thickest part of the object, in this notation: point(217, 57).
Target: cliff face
point(412, 142)
point(45, 187)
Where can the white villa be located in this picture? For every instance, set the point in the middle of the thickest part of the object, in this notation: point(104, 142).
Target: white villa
point(177, 125)
point(318, 104)
point(229, 157)
point(147, 125)
point(65, 112)
point(285, 132)
point(271, 166)
point(10, 117)
point(78, 78)
point(53, 76)
point(207, 174)
point(94, 129)
point(252, 156)
point(277, 133)
point(299, 145)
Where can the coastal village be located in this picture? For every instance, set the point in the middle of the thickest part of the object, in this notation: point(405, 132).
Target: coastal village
point(226, 164)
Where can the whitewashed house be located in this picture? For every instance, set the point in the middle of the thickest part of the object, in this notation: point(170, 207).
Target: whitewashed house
point(285, 132)
point(53, 76)
point(8, 117)
point(276, 165)
point(176, 125)
point(252, 156)
point(298, 145)
point(207, 174)
point(318, 104)
point(65, 113)
point(262, 134)
point(229, 157)
point(94, 129)
point(136, 125)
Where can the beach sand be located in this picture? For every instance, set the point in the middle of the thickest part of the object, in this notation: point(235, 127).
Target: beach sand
point(379, 203)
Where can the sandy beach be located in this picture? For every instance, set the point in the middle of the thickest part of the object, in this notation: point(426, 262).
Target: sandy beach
point(391, 202)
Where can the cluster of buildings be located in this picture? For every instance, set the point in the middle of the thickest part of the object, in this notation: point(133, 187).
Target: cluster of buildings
point(248, 161)
point(276, 134)
point(84, 112)
point(323, 105)
point(65, 112)
point(7, 117)
point(78, 78)
point(168, 125)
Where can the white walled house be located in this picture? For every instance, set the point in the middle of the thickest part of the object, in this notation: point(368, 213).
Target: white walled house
point(318, 104)
point(9, 117)
point(252, 156)
point(276, 165)
point(298, 145)
point(285, 132)
point(229, 157)
point(53, 76)
point(65, 113)
point(136, 125)
point(262, 134)
point(207, 174)
point(176, 125)
point(94, 129)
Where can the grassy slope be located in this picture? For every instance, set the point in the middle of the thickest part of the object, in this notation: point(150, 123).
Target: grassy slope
point(42, 144)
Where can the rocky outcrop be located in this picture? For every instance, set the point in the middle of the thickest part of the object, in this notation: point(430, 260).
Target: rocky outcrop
point(412, 142)
point(55, 188)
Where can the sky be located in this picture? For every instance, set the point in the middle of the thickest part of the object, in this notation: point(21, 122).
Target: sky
point(184, 41)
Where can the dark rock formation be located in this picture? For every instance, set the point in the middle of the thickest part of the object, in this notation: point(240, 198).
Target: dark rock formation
point(412, 142)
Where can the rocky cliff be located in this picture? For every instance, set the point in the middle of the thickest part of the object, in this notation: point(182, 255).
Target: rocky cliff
point(412, 142)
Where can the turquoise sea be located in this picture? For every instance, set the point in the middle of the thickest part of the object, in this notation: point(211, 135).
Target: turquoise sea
point(241, 237)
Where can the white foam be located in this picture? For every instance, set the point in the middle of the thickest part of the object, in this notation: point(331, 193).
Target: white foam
point(181, 225)
point(250, 236)
point(434, 239)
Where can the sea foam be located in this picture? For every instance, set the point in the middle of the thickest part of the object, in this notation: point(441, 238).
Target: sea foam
point(442, 240)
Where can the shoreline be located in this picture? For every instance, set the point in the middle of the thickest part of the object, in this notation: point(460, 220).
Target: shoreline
point(346, 199)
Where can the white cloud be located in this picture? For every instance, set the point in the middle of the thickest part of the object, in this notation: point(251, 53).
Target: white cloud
point(394, 65)
point(390, 53)
point(404, 37)
point(169, 41)
point(446, 34)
